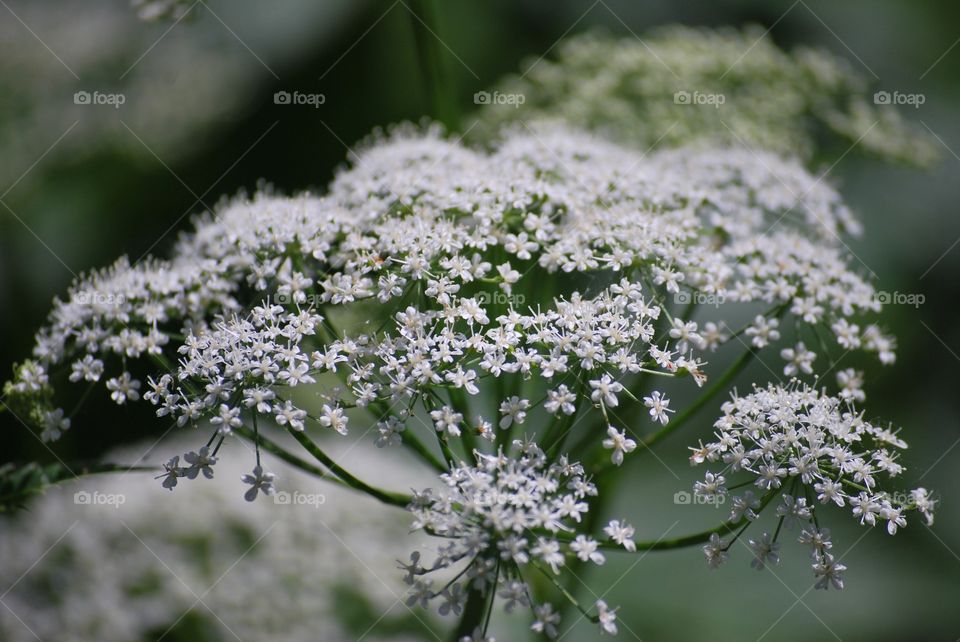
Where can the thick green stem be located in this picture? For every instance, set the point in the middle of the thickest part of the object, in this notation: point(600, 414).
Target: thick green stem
point(438, 82)
point(473, 614)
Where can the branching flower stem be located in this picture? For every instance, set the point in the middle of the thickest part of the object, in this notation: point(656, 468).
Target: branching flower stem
point(385, 496)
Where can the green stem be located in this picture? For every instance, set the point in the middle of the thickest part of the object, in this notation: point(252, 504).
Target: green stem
point(685, 540)
point(438, 83)
point(712, 390)
point(417, 446)
point(473, 614)
point(385, 496)
point(289, 457)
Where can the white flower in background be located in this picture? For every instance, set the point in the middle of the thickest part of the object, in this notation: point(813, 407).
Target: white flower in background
point(546, 620)
point(607, 617)
point(641, 91)
point(799, 360)
point(765, 552)
point(763, 331)
point(851, 385)
point(198, 66)
point(101, 578)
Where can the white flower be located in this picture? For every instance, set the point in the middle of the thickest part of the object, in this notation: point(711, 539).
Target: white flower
point(560, 400)
point(333, 417)
point(607, 618)
point(744, 506)
point(765, 552)
point(622, 533)
point(290, 415)
point(805, 438)
point(87, 369)
point(201, 461)
point(586, 549)
point(686, 335)
point(259, 481)
point(515, 593)
point(715, 551)
point(171, 473)
point(799, 360)
point(454, 598)
point(227, 419)
point(123, 388)
point(390, 430)
point(54, 425)
point(620, 444)
point(546, 620)
point(513, 410)
point(605, 390)
point(851, 385)
point(445, 419)
point(764, 331)
point(828, 572)
point(659, 407)
point(488, 513)
point(548, 550)
point(847, 334)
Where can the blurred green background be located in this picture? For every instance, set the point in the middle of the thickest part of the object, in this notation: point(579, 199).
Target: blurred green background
point(81, 185)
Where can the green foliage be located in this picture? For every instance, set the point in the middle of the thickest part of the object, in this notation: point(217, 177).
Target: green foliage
point(20, 482)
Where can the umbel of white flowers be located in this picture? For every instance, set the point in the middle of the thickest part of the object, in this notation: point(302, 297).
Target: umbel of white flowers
point(484, 293)
point(821, 451)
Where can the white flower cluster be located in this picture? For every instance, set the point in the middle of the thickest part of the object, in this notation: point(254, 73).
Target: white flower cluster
point(488, 292)
point(499, 519)
point(484, 292)
point(818, 450)
point(437, 232)
point(681, 85)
